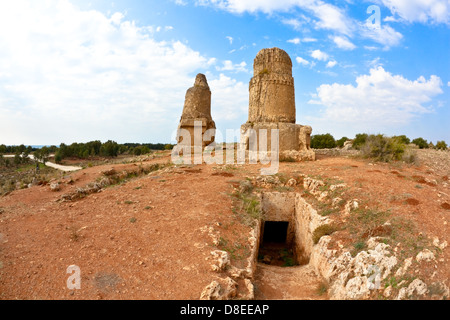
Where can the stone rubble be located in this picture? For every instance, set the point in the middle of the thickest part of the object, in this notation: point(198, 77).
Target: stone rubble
point(353, 278)
point(425, 255)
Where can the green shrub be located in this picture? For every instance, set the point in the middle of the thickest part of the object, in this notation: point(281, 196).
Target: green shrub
point(247, 206)
point(441, 145)
point(402, 139)
point(109, 149)
point(382, 148)
point(169, 147)
point(360, 140)
point(324, 230)
point(264, 71)
point(358, 247)
point(421, 143)
point(137, 151)
point(341, 141)
point(145, 150)
point(58, 157)
point(323, 141)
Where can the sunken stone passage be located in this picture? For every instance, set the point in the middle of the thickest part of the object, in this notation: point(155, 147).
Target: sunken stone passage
point(272, 106)
point(197, 108)
point(288, 227)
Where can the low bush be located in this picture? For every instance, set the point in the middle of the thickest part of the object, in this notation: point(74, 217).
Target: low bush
point(441, 145)
point(341, 141)
point(324, 230)
point(403, 139)
point(359, 140)
point(323, 141)
point(385, 149)
point(421, 143)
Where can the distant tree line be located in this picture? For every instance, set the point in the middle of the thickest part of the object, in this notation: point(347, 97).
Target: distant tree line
point(87, 150)
point(327, 141)
point(379, 147)
point(77, 150)
point(22, 149)
point(107, 149)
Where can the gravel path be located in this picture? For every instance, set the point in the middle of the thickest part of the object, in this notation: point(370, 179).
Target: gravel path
point(53, 165)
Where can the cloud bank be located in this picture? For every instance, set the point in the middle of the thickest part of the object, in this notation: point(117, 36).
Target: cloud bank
point(378, 100)
point(75, 75)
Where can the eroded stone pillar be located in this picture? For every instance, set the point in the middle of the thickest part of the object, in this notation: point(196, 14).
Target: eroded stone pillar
point(272, 92)
point(197, 109)
point(272, 106)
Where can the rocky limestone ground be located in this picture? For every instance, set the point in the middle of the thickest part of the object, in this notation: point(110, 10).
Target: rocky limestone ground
point(150, 230)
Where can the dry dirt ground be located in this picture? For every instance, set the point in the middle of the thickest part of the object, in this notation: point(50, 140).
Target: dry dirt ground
point(146, 238)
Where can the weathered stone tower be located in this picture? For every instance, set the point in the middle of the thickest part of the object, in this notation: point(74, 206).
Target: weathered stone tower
point(272, 93)
point(197, 107)
point(272, 105)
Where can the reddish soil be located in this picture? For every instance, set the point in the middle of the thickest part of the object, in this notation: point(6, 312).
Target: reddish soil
point(143, 239)
point(139, 240)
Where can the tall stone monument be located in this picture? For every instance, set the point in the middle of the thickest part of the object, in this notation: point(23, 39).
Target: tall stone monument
point(197, 109)
point(272, 106)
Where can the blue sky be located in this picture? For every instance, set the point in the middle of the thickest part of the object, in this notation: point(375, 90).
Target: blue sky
point(78, 70)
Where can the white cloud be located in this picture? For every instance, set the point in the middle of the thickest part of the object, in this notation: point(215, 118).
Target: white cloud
point(390, 19)
point(298, 22)
point(384, 35)
point(302, 61)
point(298, 40)
point(228, 65)
point(117, 17)
point(343, 43)
point(378, 100)
point(230, 39)
point(448, 84)
point(371, 48)
point(294, 41)
point(252, 6)
point(309, 40)
point(429, 11)
point(375, 63)
point(294, 23)
point(331, 64)
point(322, 15)
point(319, 55)
point(223, 108)
point(70, 75)
point(331, 17)
point(328, 16)
point(180, 2)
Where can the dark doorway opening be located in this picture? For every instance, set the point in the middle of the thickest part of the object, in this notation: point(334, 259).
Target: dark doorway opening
point(274, 246)
point(275, 231)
